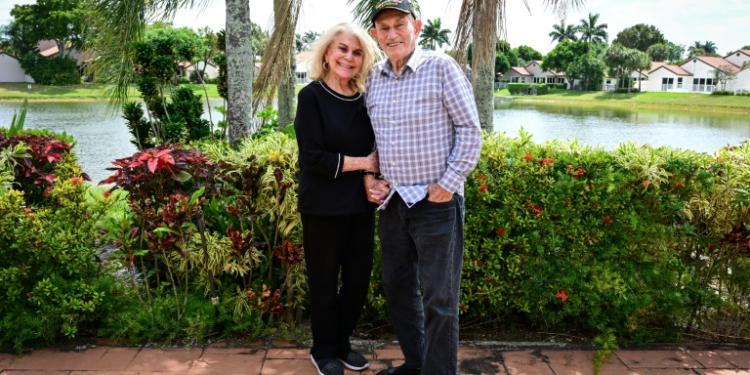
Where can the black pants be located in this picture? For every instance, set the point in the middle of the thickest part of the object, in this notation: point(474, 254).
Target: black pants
point(333, 245)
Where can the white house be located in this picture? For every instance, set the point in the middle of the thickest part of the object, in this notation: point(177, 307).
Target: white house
point(10, 69)
point(698, 74)
point(301, 69)
point(533, 73)
point(738, 57)
point(212, 71)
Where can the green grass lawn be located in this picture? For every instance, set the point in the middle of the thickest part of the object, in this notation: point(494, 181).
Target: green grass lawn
point(88, 91)
point(660, 99)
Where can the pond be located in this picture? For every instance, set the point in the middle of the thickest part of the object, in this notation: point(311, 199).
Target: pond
point(102, 137)
point(610, 126)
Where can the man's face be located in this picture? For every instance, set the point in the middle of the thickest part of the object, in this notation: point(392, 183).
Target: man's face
point(396, 32)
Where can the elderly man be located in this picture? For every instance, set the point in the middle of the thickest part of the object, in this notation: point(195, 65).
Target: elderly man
point(428, 136)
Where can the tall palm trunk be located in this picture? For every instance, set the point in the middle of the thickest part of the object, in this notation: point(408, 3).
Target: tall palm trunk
point(239, 70)
point(483, 60)
point(288, 82)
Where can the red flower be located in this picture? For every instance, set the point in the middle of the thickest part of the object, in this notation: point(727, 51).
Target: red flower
point(251, 294)
point(528, 157)
point(562, 296)
point(645, 183)
point(569, 166)
point(481, 177)
point(26, 210)
point(608, 220)
point(500, 231)
point(76, 180)
point(483, 188)
point(580, 172)
point(547, 161)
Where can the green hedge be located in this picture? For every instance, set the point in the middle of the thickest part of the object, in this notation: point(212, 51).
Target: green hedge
point(557, 86)
point(722, 93)
point(528, 89)
point(637, 242)
point(52, 71)
point(624, 90)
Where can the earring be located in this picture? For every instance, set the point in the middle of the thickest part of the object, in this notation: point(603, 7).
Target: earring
point(326, 65)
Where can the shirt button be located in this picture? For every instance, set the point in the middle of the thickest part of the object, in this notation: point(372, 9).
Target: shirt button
point(394, 102)
point(393, 143)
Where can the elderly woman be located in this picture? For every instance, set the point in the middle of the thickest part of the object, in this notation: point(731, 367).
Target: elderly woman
point(336, 144)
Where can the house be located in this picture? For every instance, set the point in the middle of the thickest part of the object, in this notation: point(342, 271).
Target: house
point(211, 70)
point(533, 73)
point(301, 69)
point(698, 74)
point(48, 48)
point(11, 70)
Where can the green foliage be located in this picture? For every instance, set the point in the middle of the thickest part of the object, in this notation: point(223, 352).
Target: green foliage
point(640, 37)
point(60, 20)
point(433, 35)
point(51, 71)
point(557, 86)
point(48, 274)
point(589, 70)
point(528, 88)
point(16, 125)
point(187, 108)
point(722, 93)
point(528, 54)
point(139, 127)
point(623, 90)
point(564, 53)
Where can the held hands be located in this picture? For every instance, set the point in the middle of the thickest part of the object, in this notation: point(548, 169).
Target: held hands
point(436, 194)
point(377, 190)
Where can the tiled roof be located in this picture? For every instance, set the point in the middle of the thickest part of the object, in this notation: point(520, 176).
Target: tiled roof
point(744, 51)
point(716, 62)
point(655, 65)
point(521, 71)
point(674, 69)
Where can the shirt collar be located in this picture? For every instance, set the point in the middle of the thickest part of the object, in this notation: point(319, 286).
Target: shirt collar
point(412, 63)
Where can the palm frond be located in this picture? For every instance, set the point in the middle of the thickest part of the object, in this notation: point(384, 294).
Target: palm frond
point(276, 62)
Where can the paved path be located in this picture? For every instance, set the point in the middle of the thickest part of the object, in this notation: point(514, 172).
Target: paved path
point(280, 358)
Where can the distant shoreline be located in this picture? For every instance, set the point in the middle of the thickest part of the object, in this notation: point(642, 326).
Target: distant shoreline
point(652, 100)
point(17, 92)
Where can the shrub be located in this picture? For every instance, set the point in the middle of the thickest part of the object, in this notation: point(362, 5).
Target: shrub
point(624, 90)
point(183, 80)
point(527, 89)
point(51, 284)
point(557, 86)
point(722, 93)
point(43, 160)
point(52, 71)
point(743, 94)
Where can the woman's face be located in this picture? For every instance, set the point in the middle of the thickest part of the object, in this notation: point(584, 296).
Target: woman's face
point(344, 56)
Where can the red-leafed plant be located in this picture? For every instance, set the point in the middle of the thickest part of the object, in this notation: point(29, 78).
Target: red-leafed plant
point(35, 172)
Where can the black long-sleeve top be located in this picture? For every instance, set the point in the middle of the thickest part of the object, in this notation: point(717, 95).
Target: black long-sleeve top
point(329, 128)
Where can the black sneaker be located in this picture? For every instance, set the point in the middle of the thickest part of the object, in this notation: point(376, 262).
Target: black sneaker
point(354, 361)
point(330, 367)
point(401, 370)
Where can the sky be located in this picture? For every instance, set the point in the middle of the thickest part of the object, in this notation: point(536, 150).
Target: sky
point(681, 21)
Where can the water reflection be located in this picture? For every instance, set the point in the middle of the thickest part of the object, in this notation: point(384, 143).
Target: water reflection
point(608, 126)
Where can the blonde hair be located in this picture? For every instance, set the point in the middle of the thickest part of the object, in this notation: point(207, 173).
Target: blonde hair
point(370, 52)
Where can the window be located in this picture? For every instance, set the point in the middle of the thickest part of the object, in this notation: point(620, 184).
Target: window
point(523, 79)
point(679, 82)
point(514, 80)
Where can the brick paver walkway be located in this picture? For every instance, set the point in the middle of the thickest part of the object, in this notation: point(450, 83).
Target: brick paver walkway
point(286, 359)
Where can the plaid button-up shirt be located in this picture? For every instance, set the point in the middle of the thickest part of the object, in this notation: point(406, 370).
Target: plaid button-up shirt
point(426, 124)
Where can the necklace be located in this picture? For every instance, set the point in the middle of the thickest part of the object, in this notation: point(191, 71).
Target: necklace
point(337, 96)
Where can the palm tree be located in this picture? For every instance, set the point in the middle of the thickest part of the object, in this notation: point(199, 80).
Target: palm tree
point(363, 10)
point(309, 38)
point(591, 32)
point(118, 24)
point(697, 49)
point(285, 16)
point(710, 47)
point(432, 34)
point(622, 61)
point(643, 62)
point(563, 32)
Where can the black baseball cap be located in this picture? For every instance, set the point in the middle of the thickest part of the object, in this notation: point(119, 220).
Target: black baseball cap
point(400, 5)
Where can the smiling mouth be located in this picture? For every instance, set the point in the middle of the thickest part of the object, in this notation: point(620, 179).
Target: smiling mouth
point(394, 44)
point(345, 66)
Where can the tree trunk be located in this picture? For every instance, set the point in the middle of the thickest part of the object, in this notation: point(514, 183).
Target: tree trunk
point(288, 85)
point(239, 70)
point(483, 60)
